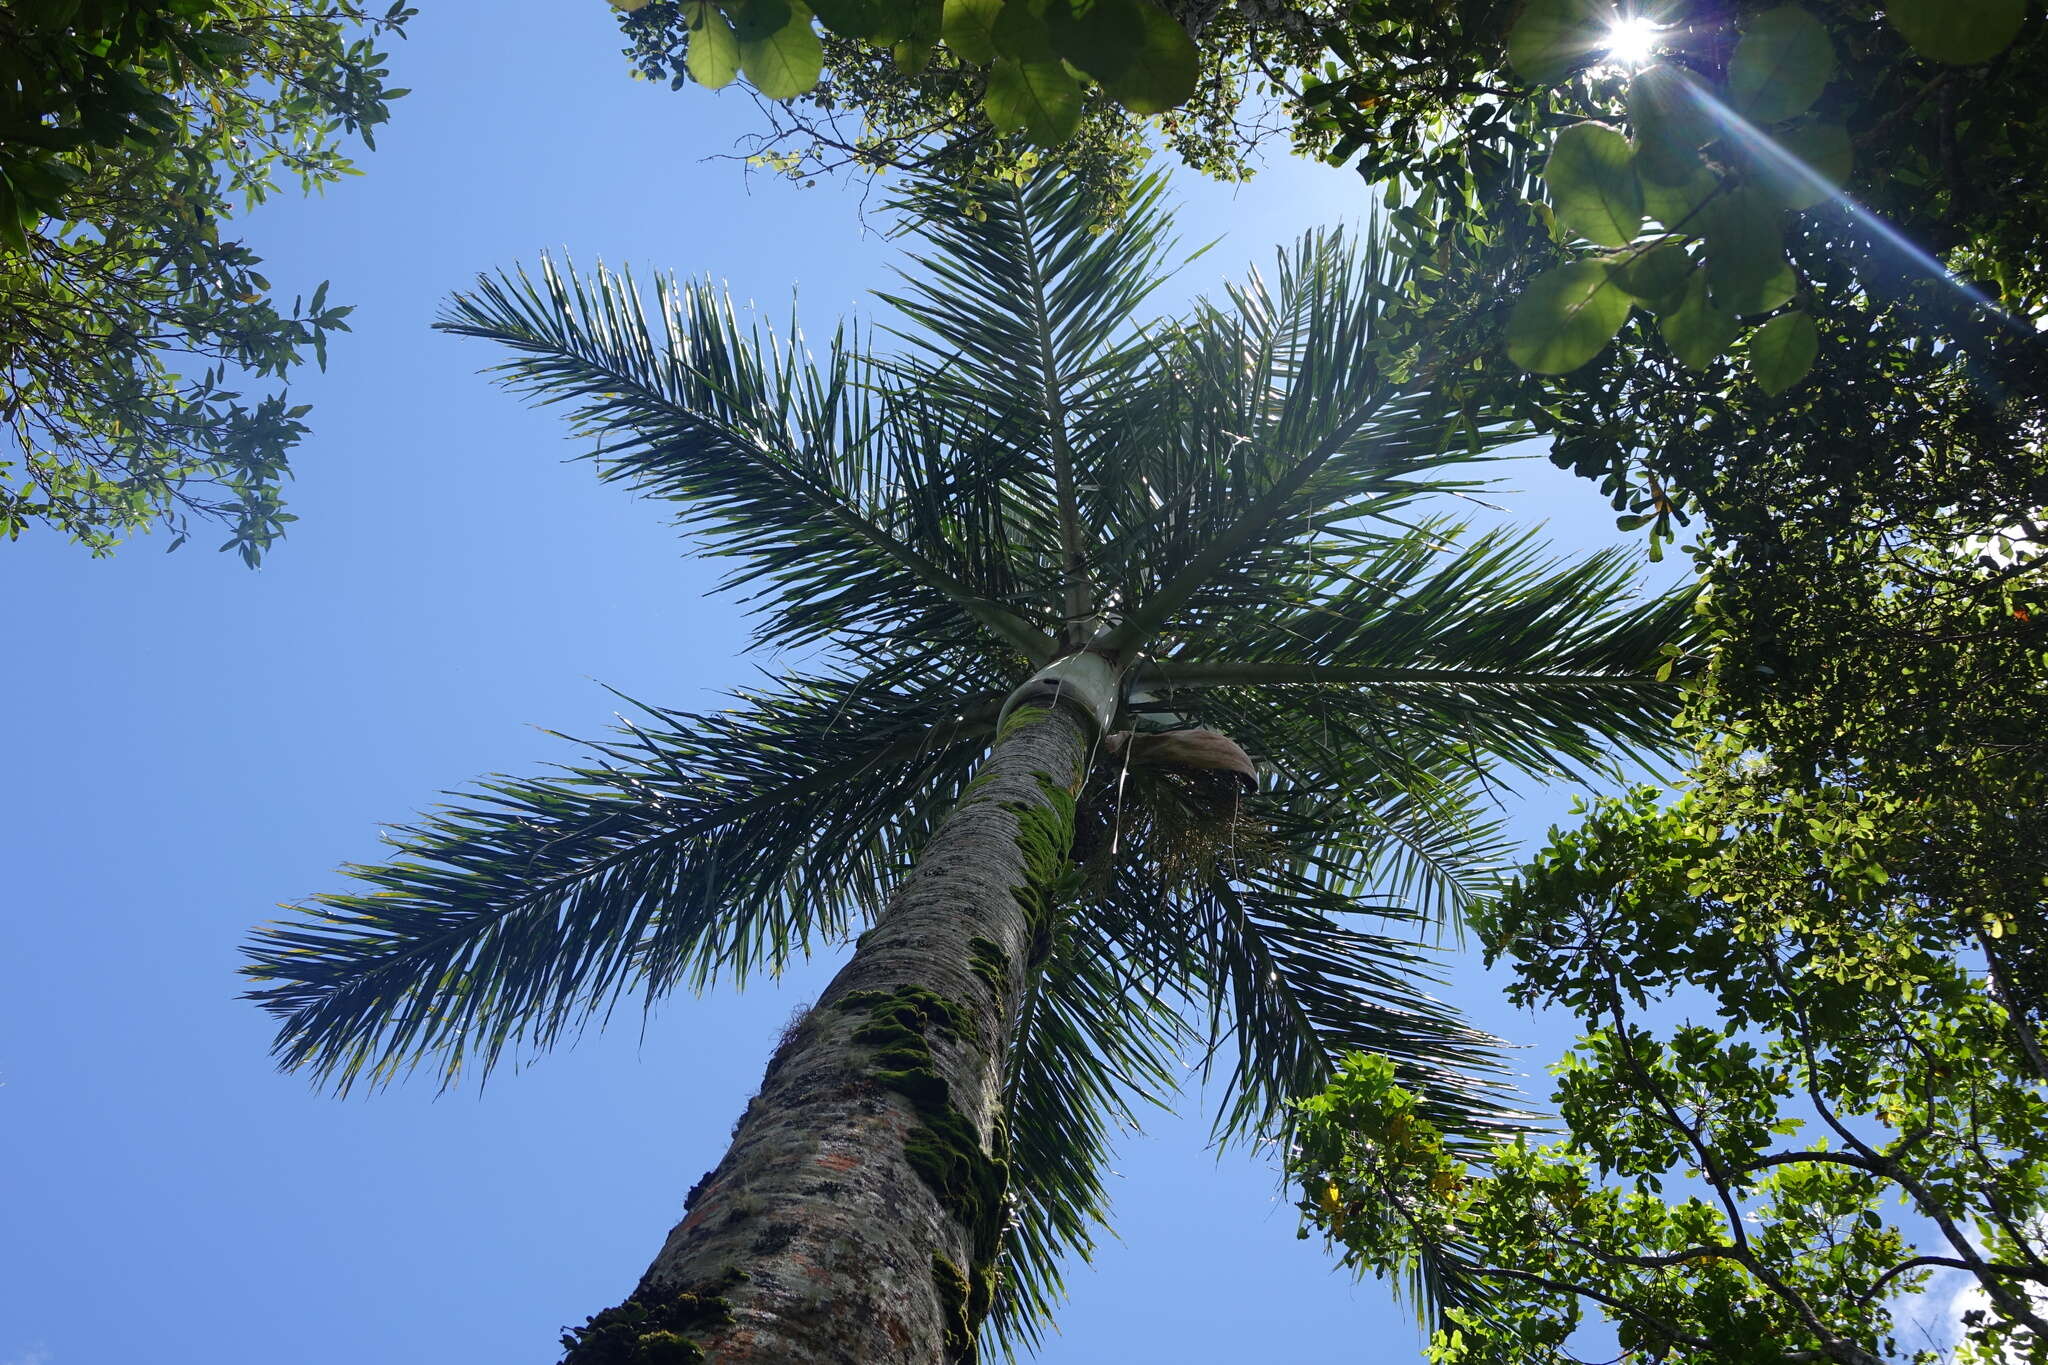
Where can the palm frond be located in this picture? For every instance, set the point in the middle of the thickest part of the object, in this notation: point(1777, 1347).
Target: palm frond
point(1257, 921)
point(1299, 985)
point(782, 463)
point(1541, 665)
point(1259, 908)
point(1288, 410)
point(1022, 314)
point(1096, 1040)
point(696, 845)
point(1025, 289)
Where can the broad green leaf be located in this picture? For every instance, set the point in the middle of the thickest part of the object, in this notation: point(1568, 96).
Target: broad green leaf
point(1958, 32)
point(1676, 206)
point(857, 19)
point(1020, 33)
point(1101, 37)
point(968, 29)
point(1816, 161)
point(1697, 331)
point(1140, 53)
point(755, 20)
point(1553, 38)
point(1657, 279)
point(850, 18)
point(1670, 123)
point(1042, 99)
point(713, 58)
point(1747, 291)
point(786, 62)
point(1780, 66)
point(918, 24)
point(15, 217)
point(1591, 175)
point(1782, 351)
point(1566, 317)
point(911, 55)
point(1746, 267)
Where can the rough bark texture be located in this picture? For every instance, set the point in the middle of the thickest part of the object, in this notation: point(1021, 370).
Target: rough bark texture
point(856, 1217)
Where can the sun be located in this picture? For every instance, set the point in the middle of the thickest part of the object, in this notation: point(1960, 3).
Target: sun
point(1632, 40)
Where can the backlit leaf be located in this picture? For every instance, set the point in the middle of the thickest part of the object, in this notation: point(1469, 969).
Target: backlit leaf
point(1697, 331)
point(713, 58)
point(1020, 32)
point(1161, 73)
point(1566, 317)
point(1782, 351)
point(1670, 122)
point(1746, 267)
point(786, 62)
point(1657, 278)
point(1675, 206)
point(968, 29)
point(1040, 99)
point(852, 18)
point(1805, 167)
point(1592, 180)
point(1781, 65)
point(1553, 38)
point(1959, 32)
point(754, 20)
point(1098, 36)
point(911, 55)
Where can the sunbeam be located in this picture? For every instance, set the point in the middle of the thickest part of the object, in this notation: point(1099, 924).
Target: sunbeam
point(1762, 147)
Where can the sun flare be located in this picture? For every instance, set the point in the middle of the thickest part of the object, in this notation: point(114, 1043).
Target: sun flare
point(1632, 40)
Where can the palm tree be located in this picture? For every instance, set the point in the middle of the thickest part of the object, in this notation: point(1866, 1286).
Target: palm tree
point(1143, 666)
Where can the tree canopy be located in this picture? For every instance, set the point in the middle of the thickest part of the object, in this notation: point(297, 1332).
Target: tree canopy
point(1757, 228)
point(1778, 1180)
point(131, 324)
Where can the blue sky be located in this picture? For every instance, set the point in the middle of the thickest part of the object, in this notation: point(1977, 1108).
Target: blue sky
point(194, 743)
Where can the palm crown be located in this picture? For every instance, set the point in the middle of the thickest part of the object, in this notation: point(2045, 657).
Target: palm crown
point(1230, 501)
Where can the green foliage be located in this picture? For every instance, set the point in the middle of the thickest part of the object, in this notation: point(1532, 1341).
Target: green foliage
point(1721, 1192)
point(714, 55)
point(781, 59)
point(1851, 889)
point(1963, 33)
point(1025, 66)
point(1566, 317)
point(130, 323)
point(1746, 251)
point(1552, 38)
point(1753, 112)
point(1782, 351)
point(1726, 141)
point(1040, 98)
point(1782, 62)
point(1592, 178)
point(1140, 53)
point(1685, 135)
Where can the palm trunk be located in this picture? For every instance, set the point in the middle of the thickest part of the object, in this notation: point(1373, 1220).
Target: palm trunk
point(857, 1215)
